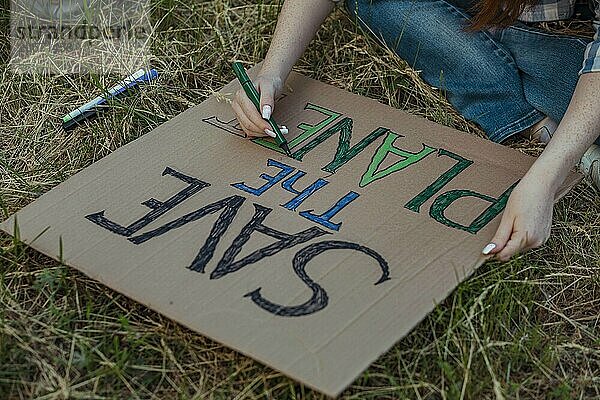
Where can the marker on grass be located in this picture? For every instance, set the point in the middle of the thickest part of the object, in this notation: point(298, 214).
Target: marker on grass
point(91, 108)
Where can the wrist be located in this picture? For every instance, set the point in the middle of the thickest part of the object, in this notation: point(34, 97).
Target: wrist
point(545, 175)
point(273, 77)
point(274, 70)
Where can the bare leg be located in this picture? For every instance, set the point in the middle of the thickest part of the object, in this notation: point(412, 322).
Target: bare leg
point(590, 161)
point(542, 131)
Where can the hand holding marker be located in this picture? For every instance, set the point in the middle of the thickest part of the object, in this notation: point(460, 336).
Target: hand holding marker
point(253, 95)
point(91, 108)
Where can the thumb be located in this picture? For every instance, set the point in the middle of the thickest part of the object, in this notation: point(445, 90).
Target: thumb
point(501, 237)
point(267, 94)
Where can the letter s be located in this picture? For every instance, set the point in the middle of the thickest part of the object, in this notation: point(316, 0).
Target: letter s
point(319, 298)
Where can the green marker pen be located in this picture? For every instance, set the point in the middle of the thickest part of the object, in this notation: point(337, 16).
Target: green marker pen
point(252, 93)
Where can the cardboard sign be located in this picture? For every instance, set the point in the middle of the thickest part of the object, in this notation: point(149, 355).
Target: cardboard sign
point(314, 265)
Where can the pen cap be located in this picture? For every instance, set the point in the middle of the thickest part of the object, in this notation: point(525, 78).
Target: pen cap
point(150, 75)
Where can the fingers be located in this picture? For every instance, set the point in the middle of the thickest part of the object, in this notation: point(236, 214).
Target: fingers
point(517, 243)
point(526, 222)
point(251, 122)
point(508, 241)
point(247, 114)
point(535, 243)
point(249, 127)
point(267, 94)
point(501, 237)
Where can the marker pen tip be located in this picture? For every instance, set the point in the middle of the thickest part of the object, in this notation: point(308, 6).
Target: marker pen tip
point(286, 148)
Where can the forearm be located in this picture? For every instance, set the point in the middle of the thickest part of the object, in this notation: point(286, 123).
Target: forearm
point(578, 129)
point(297, 24)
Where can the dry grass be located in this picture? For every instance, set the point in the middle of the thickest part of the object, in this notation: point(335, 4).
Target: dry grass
point(528, 328)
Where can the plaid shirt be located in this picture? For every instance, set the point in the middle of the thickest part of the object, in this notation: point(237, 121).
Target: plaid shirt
point(552, 10)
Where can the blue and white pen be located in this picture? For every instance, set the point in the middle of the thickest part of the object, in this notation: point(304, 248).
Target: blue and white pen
point(91, 108)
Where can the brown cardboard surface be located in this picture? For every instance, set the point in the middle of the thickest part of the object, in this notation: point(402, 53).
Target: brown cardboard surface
point(174, 221)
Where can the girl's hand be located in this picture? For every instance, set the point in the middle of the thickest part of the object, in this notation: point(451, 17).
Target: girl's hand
point(528, 215)
point(297, 24)
point(526, 220)
point(252, 122)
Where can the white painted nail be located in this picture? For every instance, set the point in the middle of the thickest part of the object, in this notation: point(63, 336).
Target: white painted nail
point(284, 130)
point(270, 133)
point(486, 250)
point(266, 111)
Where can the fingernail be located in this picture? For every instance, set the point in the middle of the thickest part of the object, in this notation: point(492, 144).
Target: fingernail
point(270, 133)
point(266, 111)
point(486, 250)
point(284, 130)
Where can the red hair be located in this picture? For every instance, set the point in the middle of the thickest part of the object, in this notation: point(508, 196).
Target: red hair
point(496, 13)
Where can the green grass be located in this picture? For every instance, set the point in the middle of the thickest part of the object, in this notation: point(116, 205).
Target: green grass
point(527, 329)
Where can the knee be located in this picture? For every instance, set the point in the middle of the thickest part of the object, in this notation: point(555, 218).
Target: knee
point(401, 23)
point(429, 31)
point(381, 15)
